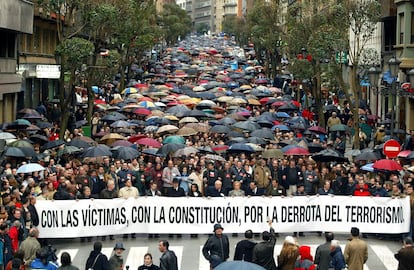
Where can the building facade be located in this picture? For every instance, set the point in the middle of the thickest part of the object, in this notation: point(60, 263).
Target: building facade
point(16, 17)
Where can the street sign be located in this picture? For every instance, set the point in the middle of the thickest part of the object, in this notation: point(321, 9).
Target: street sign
point(391, 148)
point(341, 57)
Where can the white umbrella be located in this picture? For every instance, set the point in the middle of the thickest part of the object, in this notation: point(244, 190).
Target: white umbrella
point(30, 167)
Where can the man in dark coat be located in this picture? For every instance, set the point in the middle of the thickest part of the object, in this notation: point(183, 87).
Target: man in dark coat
point(405, 255)
point(216, 249)
point(168, 260)
point(96, 259)
point(116, 262)
point(263, 252)
point(244, 248)
point(322, 256)
point(175, 190)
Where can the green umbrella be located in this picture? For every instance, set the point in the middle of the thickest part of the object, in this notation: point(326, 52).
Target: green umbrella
point(174, 139)
point(68, 150)
point(339, 127)
point(272, 153)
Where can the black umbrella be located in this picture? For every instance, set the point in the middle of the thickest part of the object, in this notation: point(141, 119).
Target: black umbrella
point(220, 129)
point(196, 113)
point(14, 152)
point(97, 151)
point(234, 134)
point(52, 144)
point(256, 140)
point(69, 150)
point(80, 123)
point(126, 153)
point(152, 152)
point(329, 155)
point(39, 138)
point(114, 116)
point(178, 110)
point(314, 147)
point(247, 125)
point(240, 148)
point(288, 107)
point(264, 133)
point(368, 155)
point(170, 148)
point(79, 143)
point(43, 125)
point(226, 121)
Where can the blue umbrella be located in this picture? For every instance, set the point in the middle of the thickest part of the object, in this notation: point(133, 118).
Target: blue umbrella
point(239, 265)
point(95, 89)
point(282, 115)
point(368, 167)
point(241, 147)
point(281, 128)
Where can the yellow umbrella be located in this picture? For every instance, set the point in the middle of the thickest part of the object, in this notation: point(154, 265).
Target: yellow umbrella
point(254, 102)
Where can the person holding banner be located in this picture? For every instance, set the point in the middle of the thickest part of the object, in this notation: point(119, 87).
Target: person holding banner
point(216, 249)
point(356, 251)
point(263, 251)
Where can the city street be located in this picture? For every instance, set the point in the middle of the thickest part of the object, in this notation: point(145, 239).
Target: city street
point(188, 250)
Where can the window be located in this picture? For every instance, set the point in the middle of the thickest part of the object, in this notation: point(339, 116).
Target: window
point(8, 44)
point(401, 17)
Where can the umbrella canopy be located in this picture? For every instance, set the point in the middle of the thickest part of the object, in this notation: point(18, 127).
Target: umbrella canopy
point(387, 165)
point(167, 129)
point(297, 151)
point(15, 152)
point(174, 139)
point(112, 137)
point(149, 142)
point(185, 151)
point(113, 116)
point(369, 155)
point(79, 143)
point(125, 153)
point(170, 148)
point(264, 133)
point(220, 129)
point(21, 143)
point(368, 167)
point(339, 127)
point(120, 124)
point(317, 130)
point(152, 152)
point(69, 150)
point(329, 155)
point(247, 125)
point(53, 144)
point(272, 153)
point(186, 131)
point(29, 168)
point(7, 136)
point(241, 147)
point(121, 143)
point(97, 151)
point(239, 265)
point(188, 119)
point(215, 157)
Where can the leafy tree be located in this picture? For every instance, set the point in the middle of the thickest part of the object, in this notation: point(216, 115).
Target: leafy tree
point(74, 51)
point(362, 20)
point(236, 26)
point(202, 28)
point(315, 34)
point(265, 22)
point(176, 23)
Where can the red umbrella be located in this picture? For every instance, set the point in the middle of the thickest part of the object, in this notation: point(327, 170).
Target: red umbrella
point(149, 142)
point(404, 154)
point(317, 129)
point(142, 111)
point(387, 165)
point(297, 151)
point(221, 148)
point(136, 137)
point(278, 103)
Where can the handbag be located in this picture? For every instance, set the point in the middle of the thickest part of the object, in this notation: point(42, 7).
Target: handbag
point(93, 265)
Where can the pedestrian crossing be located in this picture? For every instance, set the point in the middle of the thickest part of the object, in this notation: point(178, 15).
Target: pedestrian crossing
point(381, 256)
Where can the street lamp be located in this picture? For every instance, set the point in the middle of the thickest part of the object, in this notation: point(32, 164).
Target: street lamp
point(394, 65)
point(373, 76)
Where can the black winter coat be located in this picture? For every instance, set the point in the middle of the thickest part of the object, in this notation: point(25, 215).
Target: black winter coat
point(263, 252)
point(244, 251)
point(101, 262)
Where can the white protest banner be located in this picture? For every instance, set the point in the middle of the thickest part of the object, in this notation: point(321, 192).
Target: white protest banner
point(61, 219)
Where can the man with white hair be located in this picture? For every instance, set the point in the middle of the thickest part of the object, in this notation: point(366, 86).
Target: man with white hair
point(337, 258)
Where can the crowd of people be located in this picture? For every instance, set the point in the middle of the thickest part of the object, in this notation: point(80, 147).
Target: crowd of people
point(211, 167)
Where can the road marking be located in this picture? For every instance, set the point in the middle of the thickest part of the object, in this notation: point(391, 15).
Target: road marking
point(135, 257)
point(385, 255)
point(178, 250)
point(72, 253)
point(203, 264)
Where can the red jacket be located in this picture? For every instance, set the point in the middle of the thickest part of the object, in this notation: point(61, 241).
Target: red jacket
point(14, 236)
point(362, 191)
